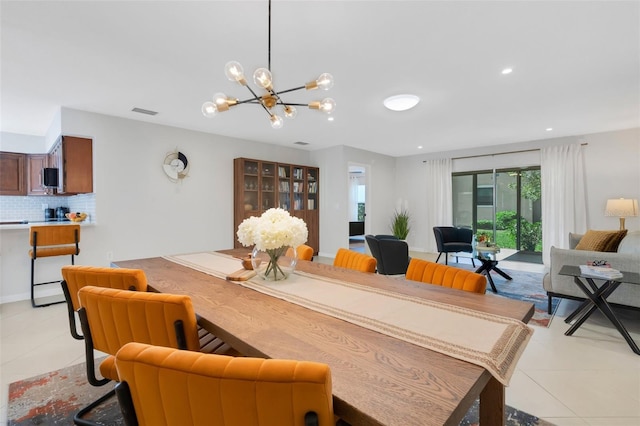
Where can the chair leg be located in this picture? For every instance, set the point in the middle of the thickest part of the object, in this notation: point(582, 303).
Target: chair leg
point(78, 418)
point(473, 262)
point(70, 312)
point(33, 286)
point(440, 254)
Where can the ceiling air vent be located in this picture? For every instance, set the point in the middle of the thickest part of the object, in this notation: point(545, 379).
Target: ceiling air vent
point(144, 111)
point(301, 143)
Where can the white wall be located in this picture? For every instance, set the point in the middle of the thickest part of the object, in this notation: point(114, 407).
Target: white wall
point(140, 212)
point(612, 168)
point(334, 207)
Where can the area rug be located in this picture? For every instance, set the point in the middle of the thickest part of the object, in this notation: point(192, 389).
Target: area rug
point(525, 286)
point(526, 256)
point(53, 399)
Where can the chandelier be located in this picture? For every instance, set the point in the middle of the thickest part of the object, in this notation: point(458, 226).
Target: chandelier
point(270, 99)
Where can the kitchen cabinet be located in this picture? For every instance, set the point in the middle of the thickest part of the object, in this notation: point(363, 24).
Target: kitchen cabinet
point(260, 185)
point(73, 157)
point(13, 173)
point(35, 175)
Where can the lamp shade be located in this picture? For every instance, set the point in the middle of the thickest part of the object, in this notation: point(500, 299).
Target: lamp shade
point(621, 207)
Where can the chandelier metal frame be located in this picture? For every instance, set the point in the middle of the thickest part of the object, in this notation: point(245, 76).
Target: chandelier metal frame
point(262, 78)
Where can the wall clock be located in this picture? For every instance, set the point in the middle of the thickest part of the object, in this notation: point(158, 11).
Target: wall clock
point(176, 166)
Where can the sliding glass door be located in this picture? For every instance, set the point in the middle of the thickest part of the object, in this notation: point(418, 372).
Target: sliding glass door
point(502, 205)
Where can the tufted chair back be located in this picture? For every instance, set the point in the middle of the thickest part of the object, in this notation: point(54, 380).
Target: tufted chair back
point(111, 318)
point(446, 276)
point(76, 277)
point(303, 252)
point(353, 260)
point(162, 386)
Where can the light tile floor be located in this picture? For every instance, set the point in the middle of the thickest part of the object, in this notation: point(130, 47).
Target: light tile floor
point(591, 378)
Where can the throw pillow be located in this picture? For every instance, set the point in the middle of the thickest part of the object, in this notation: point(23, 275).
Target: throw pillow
point(606, 241)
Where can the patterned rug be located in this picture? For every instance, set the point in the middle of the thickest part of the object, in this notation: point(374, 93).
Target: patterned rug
point(53, 399)
point(525, 286)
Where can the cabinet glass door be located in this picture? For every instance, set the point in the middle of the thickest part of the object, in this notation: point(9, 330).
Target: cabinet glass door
point(284, 186)
point(268, 185)
point(298, 188)
point(251, 186)
point(312, 189)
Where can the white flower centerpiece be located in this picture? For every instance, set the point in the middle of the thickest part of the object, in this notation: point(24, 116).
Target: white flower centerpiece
point(272, 234)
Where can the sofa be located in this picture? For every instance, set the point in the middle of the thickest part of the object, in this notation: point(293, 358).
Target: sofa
point(625, 258)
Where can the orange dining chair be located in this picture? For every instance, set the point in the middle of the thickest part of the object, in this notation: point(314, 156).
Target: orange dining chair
point(49, 241)
point(170, 387)
point(75, 277)
point(303, 252)
point(353, 260)
point(445, 276)
point(110, 318)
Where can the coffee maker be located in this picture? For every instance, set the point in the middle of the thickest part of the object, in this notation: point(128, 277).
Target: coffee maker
point(49, 215)
point(61, 213)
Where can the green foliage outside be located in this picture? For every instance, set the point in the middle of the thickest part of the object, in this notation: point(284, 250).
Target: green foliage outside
point(400, 224)
point(361, 212)
point(506, 230)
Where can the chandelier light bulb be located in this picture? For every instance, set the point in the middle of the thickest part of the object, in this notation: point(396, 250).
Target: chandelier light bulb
point(327, 105)
point(290, 112)
point(234, 72)
point(276, 121)
point(209, 109)
point(219, 98)
point(262, 78)
point(325, 81)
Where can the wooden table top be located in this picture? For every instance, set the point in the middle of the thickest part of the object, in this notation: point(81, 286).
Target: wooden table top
point(377, 379)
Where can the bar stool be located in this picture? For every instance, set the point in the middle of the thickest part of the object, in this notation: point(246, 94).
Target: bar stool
point(48, 241)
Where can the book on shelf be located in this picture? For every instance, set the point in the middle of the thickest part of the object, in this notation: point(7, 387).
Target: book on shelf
point(603, 272)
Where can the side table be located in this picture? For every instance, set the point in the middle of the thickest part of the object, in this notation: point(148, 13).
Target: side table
point(597, 298)
point(487, 255)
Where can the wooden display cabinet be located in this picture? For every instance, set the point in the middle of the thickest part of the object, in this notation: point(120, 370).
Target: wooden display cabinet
point(260, 185)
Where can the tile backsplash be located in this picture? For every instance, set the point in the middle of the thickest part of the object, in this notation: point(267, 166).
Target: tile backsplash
point(31, 208)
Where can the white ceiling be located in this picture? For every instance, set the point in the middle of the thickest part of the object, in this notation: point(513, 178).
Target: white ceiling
point(576, 67)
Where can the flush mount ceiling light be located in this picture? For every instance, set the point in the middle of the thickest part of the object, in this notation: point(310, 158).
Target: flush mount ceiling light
point(271, 98)
point(401, 102)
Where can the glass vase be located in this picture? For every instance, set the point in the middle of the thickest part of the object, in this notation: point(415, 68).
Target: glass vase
point(274, 264)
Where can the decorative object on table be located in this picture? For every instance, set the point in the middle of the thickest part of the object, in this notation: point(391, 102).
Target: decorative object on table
point(176, 166)
point(263, 79)
point(602, 272)
point(272, 234)
point(76, 216)
point(623, 208)
point(400, 224)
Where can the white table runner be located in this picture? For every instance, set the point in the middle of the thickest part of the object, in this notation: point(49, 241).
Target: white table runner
point(490, 341)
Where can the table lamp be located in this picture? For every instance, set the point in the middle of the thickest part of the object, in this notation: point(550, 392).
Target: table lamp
point(621, 207)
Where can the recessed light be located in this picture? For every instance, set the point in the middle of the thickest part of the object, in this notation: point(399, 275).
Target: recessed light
point(548, 129)
point(420, 147)
point(401, 102)
point(507, 71)
point(330, 119)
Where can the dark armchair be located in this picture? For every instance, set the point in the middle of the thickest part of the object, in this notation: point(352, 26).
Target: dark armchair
point(451, 239)
point(392, 254)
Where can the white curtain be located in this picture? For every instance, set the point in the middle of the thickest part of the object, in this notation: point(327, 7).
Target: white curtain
point(353, 198)
point(564, 206)
point(439, 195)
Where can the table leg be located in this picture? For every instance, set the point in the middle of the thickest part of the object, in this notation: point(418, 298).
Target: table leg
point(486, 267)
point(598, 299)
point(501, 272)
point(491, 410)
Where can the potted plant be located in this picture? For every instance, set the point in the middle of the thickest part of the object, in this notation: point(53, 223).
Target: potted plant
point(400, 224)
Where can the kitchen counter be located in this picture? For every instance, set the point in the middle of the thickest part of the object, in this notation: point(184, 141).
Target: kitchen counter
point(24, 224)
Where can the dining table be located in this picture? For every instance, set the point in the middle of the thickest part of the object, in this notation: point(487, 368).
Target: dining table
point(377, 378)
